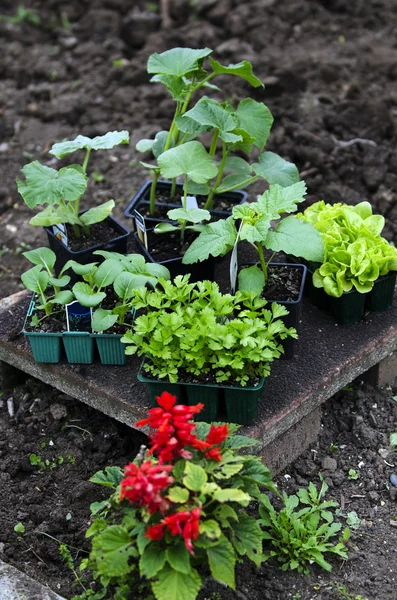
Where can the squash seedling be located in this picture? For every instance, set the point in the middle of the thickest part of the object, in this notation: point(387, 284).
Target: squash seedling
point(49, 289)
point(62, 190)
point(291, 235)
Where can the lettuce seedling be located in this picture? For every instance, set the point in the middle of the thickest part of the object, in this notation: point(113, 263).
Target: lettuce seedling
point(124, 273)
point(182, 72)
point(62, 190)
point(356, 254)
point(252, 222)
point(49, 289)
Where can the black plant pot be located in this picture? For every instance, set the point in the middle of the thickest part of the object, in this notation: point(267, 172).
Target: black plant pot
point(63, 253)
point(141, 203)
point(198, 271)
point(293, 306)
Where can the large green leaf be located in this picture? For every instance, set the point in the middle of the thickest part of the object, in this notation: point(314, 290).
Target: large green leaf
point(173, 585)
point(209, 112)
point(48, 186)
point(41, 256)
point(242, 69)
point(152, 560)
point(232, 495)
point(193, 215)
point(178, 558)
point(103, 319)
point(156, 270)
point(247, 538)
point(275, 169)
point(296, 237)
point(125, 283)
point(98, 213)
point(222, 561)
point(54, 215)
point(78, 268)
point(216, 238)
point(178, 494)
point(190, 159)
point(191, 126)
point(177, 61)
point(256, 118)
point(100, 142)
point(174, 84)
point(63, 297)
point(86, 296)
point(35, 279)
point(238, 165)
point(110, 477)
point(195, 477)
point(277, 199)
point(251, 279)
point(112, 549)
point(107, 272)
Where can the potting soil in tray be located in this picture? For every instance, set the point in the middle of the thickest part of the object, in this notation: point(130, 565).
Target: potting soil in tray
point(284, 283)
point(167, 246)
point(100, 233)
point(51, 324)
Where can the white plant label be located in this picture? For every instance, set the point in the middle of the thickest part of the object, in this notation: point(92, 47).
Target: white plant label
point(191, 202)
point(60, 233)
point(141, 228)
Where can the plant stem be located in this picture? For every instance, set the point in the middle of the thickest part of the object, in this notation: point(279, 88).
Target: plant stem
point(241, 184)
point(173, 188)
point(208, 205)
point(262, 259)
point(86, 159)
point(152, 208)
point(183, 224)
point(214, 142)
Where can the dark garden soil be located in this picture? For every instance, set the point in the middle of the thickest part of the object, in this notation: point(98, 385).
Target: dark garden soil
point(330, 69)
point(99, 233)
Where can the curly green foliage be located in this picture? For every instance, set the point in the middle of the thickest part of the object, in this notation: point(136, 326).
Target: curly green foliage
point(123, 555)
point(356, 254)
point(301, 532)
point(196, 329)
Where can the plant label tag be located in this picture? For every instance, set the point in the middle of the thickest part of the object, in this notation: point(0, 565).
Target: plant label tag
point(233, 269)
point(141, 228)
point(191, 202)
point(78, 317)
point(60, 233)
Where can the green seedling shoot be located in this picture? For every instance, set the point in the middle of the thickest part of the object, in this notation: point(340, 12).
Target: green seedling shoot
point(182, 72)
point(62, 190)
point(49, 289)
point(252, 222)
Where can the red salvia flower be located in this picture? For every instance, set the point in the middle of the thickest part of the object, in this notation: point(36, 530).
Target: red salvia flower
point(217, 434)
point(185, 523)
point(142, 485)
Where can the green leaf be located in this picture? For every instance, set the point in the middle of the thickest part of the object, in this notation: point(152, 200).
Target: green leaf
point(177, 61)
point(52, 215)
point(241, 441)
point(234, 180)
point(110, 477)
point(144, 145)
point(126, 282)
point(195, 477)
point(96, 507)
point(173, 585)
point(178, 494)
point(216, 238)
point(251, 279)
point(174, 84)
point(151, 561)
point(210, 529)
point(64, 297)
point(165, 228)
point(107, 272)
point(41, 256)
point(160, 141)
point(242, 69)
point(255, 118)
point(103, 319)
point(35, 279)
point(59, 281)
point(238, 165)
point(222, 561)
point(100, 142)
point(19, 528)
point(256, 472)
point(98, 213)
point(112, 549)
point(48, 186)
point(193, 215)
point(232, 495)
point(86, 296)
point(178, 558)
point(247, 538)
point(78, 268)
point(275, 169)
point(393, 441)
point(296, 237)
point(277, 199)
point(189, 125)
point(190, 159)
point(208, 112)
point(197, 189)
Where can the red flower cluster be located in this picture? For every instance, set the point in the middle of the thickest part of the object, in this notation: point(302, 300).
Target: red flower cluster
point(185, 523)
point(142, 485)
point(174, 431)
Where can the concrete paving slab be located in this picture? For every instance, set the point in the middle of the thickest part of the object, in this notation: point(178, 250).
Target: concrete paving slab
point(15, 585)
point(329, 357)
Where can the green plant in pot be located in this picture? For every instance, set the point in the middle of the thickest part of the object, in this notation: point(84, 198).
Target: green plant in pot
point(359, 267)
point(45, 319)
point(108, 288)
point(62, 190)
point(182, 72)
point(193, 335)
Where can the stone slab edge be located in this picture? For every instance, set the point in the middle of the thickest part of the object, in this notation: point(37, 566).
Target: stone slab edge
point(15, 585)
